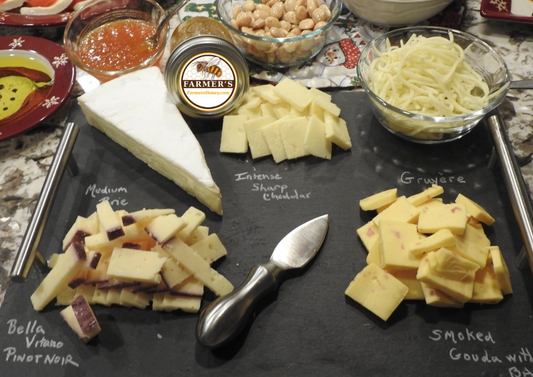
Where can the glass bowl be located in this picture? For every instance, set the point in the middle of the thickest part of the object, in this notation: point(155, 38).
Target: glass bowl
point(279, 52)
point(418, 127)
point(142, 18)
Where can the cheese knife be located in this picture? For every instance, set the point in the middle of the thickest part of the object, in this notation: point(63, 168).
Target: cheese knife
point(224, 319)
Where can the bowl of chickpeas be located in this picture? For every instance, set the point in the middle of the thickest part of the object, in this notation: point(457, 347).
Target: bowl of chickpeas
point(279, 33)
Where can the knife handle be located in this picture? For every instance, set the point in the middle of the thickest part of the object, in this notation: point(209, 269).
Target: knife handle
point(225, 318)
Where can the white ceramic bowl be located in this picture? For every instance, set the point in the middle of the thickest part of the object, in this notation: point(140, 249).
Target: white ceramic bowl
point(396, 12)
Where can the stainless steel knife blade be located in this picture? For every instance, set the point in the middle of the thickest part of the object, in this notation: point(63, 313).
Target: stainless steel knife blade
point(222, 320)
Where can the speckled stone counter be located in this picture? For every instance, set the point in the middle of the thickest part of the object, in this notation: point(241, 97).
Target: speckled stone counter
point(24, 160)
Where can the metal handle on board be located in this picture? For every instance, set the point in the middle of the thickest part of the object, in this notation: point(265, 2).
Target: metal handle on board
point(515, 186)
point(28, 252)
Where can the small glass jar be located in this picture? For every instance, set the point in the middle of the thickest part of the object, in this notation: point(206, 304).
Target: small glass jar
point(206, 75)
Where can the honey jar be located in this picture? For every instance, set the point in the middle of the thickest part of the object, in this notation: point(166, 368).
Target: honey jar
point(206, 75)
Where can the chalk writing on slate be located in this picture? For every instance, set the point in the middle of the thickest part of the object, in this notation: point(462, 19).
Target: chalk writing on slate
point(408, 178)
point(112, 194)
point(37, 347)
point(271, 187)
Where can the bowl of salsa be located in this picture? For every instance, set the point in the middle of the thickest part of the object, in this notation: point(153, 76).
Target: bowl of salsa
point(109, 38)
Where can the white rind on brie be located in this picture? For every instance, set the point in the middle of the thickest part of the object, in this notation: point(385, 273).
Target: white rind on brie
point(136, 112)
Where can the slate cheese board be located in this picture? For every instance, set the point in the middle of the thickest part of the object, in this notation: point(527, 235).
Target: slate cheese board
point(309, 327)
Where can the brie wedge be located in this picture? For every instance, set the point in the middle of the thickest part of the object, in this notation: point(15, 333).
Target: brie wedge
point(136, 112)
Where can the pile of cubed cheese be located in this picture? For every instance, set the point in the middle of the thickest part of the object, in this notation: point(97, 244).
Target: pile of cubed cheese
point(151, 256)
point(420, 248)
point(286, 121)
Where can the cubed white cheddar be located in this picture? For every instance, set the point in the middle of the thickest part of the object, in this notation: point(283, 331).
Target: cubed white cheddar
point(486, 287)
point(472, 245)
point(377, 290)
point(437, 298)
point(315, 141)
point(475, 210)
point(337, 131)
point(58, 278)
point(500, 270)
point(449, 216)
point(163, 228)
point(81, 319)
point(442, 238)
point(426, 195)
point(460, 290)
point(401, 210)
point(109, 220)
point(394, 237)
point(234, 139)
point(378, 200)
point(256, 140)
point(294, 93)
point(200, 268)
point(293, 133)
point(135, 265)
point(272, 135)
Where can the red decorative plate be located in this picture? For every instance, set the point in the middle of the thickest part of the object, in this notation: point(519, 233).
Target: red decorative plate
point(508, 10)
point(55, 59)
point(17, 19)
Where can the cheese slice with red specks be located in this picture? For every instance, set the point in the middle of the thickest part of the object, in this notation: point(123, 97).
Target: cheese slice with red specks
point(122, 108)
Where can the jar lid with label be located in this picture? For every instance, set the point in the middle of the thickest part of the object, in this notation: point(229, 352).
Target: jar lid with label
point(207, 76)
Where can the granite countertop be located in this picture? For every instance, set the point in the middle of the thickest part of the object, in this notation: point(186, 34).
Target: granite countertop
point(24, 160)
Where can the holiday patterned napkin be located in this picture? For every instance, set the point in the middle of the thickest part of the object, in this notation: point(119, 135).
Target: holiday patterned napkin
point(335, 65)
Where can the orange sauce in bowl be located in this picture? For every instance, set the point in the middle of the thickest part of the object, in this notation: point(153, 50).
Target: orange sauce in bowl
point(117, 45)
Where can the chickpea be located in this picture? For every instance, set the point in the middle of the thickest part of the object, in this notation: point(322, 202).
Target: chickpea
point(326, 11)
point(290, 5)
point(236, 11)
point(286, 25)
point(272, 22)
point(263, 7)
point(247, 30)
point(307, 24)
point(294, 32)
point(277, 32)
point(311, 6)
point(290, 17)
point(248, 6)
point(244, 19)
point(301, 12)
point(260, 14)
point(258, 23)
point(276, 10)
point(319, 25)
point(319, 15)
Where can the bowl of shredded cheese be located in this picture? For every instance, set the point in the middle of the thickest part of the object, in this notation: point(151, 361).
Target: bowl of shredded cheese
point(431, 84)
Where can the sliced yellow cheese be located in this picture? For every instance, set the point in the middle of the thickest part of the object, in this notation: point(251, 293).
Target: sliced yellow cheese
point(475, 210)
point(401, 210)
point(377, 290)
point(449, 216)
point(394, 237)
point(293, 131)
point(294, 93)
point(266, 92)
point(442, 238)
point(58, 278)
point(109, 221)
point(210, 248)
point(500, 269)
point(486, 287)
point(426, 195)
point(369, 235)
point(378, 200)
point(473, 245)
point(450, 265)
point(328, 106)
point(272, 135)
point(437, 298)
point(234, 139)
point(199, 234)
point(458, 290)
point(315, 141)
point(256, 140)
point(135, 265)
point(199, 267)
point(408, 278)
point(337, 131)
point(193, 217)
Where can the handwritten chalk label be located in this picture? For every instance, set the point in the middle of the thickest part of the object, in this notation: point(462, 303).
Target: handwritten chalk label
point(38, 348)
point(462, 350)
point(407, 178)
point(270, 187)
point(114, 195)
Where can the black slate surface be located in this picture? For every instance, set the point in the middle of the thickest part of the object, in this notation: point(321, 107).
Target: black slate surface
point(309, 328)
